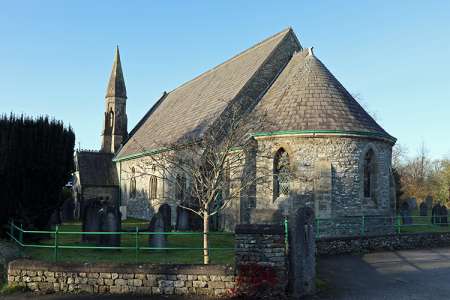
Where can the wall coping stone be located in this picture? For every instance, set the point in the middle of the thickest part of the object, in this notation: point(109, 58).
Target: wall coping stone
point(370, 237)
point(269, 229)
point(174, 269)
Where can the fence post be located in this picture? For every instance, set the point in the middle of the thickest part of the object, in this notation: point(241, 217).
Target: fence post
point(136, 245)
point(362, 225)
point(21, 234)
point(11, 229)
point(286, 238)
point(56, 242)
point(398, 225)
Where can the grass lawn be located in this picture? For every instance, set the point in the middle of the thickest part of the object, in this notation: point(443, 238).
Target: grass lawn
point(422, 224)
point(178, 256)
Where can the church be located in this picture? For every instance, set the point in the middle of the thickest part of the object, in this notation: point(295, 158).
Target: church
point(315, 129)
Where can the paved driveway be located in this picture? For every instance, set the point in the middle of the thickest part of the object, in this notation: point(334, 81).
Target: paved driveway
point(411, 274)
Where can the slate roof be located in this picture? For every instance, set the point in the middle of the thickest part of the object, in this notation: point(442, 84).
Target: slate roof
point(189, 109)
point(116, 84)
point(306, 96)
point(96, 168)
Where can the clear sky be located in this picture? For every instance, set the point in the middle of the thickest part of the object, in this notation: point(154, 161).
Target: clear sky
point(56, 56)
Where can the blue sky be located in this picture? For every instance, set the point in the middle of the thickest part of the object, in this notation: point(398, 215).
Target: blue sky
point(55, 56)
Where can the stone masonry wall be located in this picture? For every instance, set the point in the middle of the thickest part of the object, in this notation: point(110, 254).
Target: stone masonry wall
point(325, 162)
point(264, 246)
point(336, 246)
point(47, 277)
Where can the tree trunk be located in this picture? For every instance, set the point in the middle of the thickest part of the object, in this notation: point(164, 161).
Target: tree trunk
point(205, 239)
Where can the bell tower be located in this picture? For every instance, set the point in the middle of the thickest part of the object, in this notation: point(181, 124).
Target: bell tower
point(115, 122)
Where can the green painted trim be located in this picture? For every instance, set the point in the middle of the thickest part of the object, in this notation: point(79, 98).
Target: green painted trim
point(140, 154)
point(333, 132)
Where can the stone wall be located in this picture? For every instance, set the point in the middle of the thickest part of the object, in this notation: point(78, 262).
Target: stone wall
point(335, 246)
point(264, 246)
point(47, 277)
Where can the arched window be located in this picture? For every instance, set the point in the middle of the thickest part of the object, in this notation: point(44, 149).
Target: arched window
point(280, 174)
point(180, 188)
point(153, 187)
point(133, 183)
point(369, 174)
point(111, 118)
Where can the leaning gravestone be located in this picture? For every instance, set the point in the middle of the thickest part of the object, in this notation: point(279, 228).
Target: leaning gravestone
point(435, 212)
point(157, 225)
point(423, 209)
point(110, 221)
point(302, 253)
point(444, 216)
point(91, 220)
point(405, 213)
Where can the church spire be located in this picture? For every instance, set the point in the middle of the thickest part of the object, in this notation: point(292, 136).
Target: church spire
point(116, 85)
point(115, 122)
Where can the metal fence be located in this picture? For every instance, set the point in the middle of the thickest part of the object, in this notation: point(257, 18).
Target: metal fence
point(136, 241)
point(378, 225)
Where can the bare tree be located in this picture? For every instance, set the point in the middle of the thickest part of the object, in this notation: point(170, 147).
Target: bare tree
point(214, 165)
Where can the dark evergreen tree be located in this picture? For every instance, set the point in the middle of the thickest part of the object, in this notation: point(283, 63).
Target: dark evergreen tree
point(36, 161)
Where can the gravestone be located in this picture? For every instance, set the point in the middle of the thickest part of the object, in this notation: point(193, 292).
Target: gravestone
point(91, 220)
point(157, 224)
point(182, 219)
point(54, 219)
point(68, 210)
point(302, 253)
point(405, 213)
point(166, 214)
point(443, 216)
point(429, 201)
point(435, 212)
point(412, 203)
point(423, 209)
point(110, 221)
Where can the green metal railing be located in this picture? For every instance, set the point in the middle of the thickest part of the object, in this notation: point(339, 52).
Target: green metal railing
point(370, 225)
point(17, 233)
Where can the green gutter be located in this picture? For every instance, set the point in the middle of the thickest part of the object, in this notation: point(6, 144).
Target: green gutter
point(325, 132)
point(140, 154)
point(276, 133)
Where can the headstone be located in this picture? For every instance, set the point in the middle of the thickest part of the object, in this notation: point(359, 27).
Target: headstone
point(435, 212)
point(91, 220)
point(182, 219)
point(68, 210)
point(157, 224)
point(54, 218)
point(443, 216)
point(405, 213)
point(302, 253)
point(166, 214)
point(110, 221)
point(429, 201)
point(412, 202)
point(423, 209)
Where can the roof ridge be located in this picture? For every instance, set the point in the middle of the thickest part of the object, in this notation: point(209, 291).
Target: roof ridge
point(285, 31)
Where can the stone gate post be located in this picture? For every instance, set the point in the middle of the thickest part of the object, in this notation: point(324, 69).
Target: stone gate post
point(302, 253)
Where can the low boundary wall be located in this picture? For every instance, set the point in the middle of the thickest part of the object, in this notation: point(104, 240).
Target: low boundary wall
point(346, 245)
point(260, 260)
point(47, 277)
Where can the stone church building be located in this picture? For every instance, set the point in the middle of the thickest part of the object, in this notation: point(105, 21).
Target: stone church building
point(316, 130)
